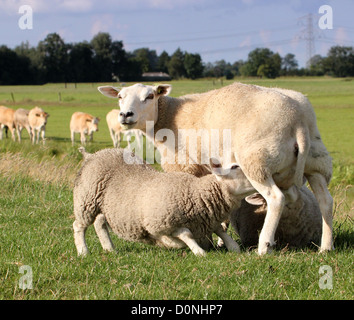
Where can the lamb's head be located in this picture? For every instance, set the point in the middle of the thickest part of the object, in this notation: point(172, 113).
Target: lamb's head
point(232, 177)
point(137, 103)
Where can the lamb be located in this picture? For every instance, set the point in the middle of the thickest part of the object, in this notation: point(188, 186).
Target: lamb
point(7, 120)
point(274, 139)
point(21, 121)
point(83, 123)
point(299, 226)
point(170, 210)
point(37, 120)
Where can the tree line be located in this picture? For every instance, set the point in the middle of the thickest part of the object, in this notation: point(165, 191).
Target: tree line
point(105, 60)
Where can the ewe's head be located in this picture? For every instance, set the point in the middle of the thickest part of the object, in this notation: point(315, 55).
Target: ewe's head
point(137, 103)
point(233, 177)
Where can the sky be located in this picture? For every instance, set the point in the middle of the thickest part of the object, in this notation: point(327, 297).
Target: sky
point(216, 29)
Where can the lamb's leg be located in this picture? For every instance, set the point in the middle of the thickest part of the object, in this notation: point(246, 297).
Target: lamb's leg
point(102, 232)
point(319, 187)
point(186, 236)
point(79, 238)
point(275, 203)
point(224, 226)
point(230, 243)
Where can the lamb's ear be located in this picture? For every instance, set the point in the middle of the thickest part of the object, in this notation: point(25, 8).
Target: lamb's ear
point(163, 89)
point(256, 199)
point(109, 91)
point(216, 167)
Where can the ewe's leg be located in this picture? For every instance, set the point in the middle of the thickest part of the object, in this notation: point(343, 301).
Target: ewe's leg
point(230, 243)
point(79, 238)
point(101, 228)
point(319, 187)
point(186, 236)
point(275, 203)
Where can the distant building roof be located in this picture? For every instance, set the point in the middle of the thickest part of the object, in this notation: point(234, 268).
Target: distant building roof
point(156, 76)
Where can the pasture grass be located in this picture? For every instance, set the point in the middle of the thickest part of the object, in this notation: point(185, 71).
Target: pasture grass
point(37, 214)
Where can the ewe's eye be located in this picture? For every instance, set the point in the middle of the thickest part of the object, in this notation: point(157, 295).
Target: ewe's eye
point(150, 96)
point(235, 166)
point(119, 97)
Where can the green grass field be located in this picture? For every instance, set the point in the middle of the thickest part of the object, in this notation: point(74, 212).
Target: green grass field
point(36, 214)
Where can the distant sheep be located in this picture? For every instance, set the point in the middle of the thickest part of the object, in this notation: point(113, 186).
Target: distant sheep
point(7, 120)
point(299, 226)
point(83, 123)
point(115, 130)
point(21, 121)
point(140, 204)
point(114, 126)
point(37, 120)
point(274, 139)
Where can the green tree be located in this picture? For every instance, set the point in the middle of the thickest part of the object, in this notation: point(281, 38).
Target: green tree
point(102, 47)
point(340, 61)
point(147, 59)
point(13, 68)
point(81, 64)
point(289, 64)
point(176, 67)
point(54, 53)
point(162, 62)
point(262, 56)
point(193, 65)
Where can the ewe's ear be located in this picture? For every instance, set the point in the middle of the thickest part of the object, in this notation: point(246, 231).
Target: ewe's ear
point(256, 199)
point(163, 89)
point(109, 91)
point(215, 166)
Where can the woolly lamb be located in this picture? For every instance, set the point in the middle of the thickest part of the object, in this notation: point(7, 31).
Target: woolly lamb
point(274, 139)
point(299, 225)
point(171, 210)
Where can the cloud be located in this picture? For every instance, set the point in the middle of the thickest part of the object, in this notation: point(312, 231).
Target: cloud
point(341, 36)
point(103, 23)
point(76, 6)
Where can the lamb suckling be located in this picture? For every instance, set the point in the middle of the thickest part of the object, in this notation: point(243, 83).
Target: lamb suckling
point(141, 204)
point(262, 129)
point(299, 226)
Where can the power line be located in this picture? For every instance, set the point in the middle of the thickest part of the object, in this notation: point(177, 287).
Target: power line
point(223, 36)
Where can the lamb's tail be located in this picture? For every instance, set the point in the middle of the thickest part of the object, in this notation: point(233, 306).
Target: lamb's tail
point(302, 149)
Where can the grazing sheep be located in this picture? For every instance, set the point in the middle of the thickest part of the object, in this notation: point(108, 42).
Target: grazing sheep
point(37, 120)
point(299, 225)
point(274, 139)
point(141, 204)
point(83, 123)
point(7, 120)
point(21, 121)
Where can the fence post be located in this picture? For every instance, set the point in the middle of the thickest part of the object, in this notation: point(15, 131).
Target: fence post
point(13, 97)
